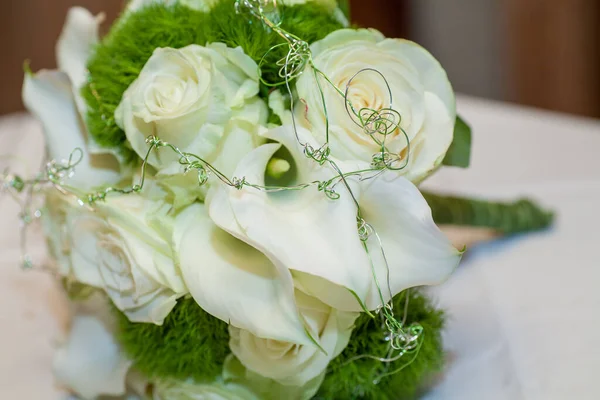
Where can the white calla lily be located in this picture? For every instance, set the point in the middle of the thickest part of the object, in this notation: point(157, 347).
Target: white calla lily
point(75, 46)
point(48, 95)
point(300, 230)
point(91, 362)
point(318, 239)
point(53, 97)
point(235, 282)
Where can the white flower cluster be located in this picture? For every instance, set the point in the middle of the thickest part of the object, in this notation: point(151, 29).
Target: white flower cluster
point(288, 271)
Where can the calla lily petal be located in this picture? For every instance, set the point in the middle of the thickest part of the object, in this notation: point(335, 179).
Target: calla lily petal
point(91, 363)
point(48, 95)
point(302, 230)
point(417, 251)
point(260, 296)
point(74, 47)
point(406, 249)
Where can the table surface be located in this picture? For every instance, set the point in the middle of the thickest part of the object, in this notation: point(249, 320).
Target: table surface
point(524, 317)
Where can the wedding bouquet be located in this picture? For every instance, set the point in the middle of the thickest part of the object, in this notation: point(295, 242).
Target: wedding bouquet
point(230, 201)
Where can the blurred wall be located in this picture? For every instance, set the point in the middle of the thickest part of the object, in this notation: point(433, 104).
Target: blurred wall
point(466, 36)
point(28, 31)
point(543, 53)
point(554, 53)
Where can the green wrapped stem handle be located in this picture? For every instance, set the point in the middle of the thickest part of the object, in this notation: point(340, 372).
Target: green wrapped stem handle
point(508, 218)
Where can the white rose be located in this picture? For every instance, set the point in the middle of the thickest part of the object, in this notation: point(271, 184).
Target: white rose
point(54, 98)
point(421, 92)
point(207, 391)
point(293, 364)
point(267, 388)
point(194, 98)
point(123, 248)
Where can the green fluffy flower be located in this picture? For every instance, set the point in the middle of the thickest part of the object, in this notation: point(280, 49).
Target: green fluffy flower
point(190, 344)
point(123, 53)
point(351, 378)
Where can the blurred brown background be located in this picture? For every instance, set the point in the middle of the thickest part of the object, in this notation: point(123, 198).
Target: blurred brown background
point(543, 53)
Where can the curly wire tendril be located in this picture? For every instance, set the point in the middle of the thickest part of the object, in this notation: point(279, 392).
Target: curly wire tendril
point(57, 172)
point(53, 174)
point(295, 61)
point(256, 8)
point(376, 124)
point(321, 155)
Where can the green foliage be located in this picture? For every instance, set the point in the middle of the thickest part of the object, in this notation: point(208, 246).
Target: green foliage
point(118, 60)
point(310, 22)
point(508, 218)
point(190, 344)
point(459, 153)
point(355, 380)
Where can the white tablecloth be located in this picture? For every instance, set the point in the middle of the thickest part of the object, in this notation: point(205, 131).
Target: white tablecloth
point(524, 313)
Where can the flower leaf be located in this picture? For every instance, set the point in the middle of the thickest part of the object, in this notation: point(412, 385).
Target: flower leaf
point(459, 153)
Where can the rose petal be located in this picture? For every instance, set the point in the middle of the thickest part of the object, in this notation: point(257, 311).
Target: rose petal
point(437, 131)
point(433, 77)
point(84, 251)
point(422, 95)
point(290, 364)
point(149, 247)
point(268, 389)
point(150, 309)
point(95, 261)
point(233, 281)
point(189, 390)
